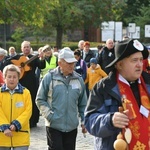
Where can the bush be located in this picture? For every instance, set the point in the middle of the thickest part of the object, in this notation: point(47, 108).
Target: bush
point(35, 46)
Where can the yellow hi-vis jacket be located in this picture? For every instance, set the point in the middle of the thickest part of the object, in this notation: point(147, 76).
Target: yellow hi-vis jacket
point(52, 65)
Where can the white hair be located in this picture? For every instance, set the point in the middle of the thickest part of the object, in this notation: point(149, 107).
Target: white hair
point(81, 41)
point(25, 42)
point(3, 52)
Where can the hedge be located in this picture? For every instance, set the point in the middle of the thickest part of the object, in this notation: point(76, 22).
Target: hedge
point(35, 46)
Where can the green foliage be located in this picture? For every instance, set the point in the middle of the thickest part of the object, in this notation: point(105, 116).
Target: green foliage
point(18, 36)
point(28, 12)
point(42, 17)
point(142, 20)
point(133, 9)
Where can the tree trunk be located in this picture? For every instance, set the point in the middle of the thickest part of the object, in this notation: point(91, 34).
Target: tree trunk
point(59, 36)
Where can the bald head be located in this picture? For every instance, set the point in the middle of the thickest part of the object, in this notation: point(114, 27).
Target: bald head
point(109, 43)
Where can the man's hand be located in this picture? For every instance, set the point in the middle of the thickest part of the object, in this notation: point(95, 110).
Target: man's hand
point(120, 120)
point(8, 133)
point(83, 129)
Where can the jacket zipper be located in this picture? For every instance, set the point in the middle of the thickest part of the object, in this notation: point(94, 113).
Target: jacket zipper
point(11, 117)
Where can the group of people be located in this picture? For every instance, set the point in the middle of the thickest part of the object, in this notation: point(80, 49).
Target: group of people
point(116, 111)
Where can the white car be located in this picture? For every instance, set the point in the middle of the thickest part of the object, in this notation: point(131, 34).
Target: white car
point(94, 50)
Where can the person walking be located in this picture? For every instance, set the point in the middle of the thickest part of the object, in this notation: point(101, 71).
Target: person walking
point(61, 98)
point(81, 47)
point(15, 111)
point(94, 74)
point(106, 56)
point(28, 64)
point(12, 51)
point(117, 113)
point(80, 66)
point(50, 60)
point(3, 58)
point(87, 53)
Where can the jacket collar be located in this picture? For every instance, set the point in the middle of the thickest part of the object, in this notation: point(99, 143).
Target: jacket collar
point(16, 90)
point(57, 73)
point(110, 85)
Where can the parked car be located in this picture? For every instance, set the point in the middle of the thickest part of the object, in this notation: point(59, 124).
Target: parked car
point(94, 50)
point(148, 47)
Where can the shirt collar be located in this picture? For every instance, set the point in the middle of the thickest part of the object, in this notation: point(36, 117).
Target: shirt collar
point(12, 91)
point(121, 78)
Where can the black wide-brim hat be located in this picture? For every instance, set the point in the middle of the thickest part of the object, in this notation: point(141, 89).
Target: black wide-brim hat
point(126, 48)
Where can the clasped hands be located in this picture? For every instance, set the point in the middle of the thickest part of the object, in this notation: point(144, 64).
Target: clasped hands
point(8, 132)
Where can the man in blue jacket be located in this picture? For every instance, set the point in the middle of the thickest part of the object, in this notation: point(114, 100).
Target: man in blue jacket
point(126, 88)
point(61, 98)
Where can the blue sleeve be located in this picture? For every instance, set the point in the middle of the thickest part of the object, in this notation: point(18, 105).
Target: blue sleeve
point(17, 124)
point(4, 127)
point(98, 115)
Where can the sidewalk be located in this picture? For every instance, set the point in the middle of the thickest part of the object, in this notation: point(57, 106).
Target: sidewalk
point(38, 138)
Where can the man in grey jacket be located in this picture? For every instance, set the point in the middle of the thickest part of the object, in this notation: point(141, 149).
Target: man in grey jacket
point(60, 98)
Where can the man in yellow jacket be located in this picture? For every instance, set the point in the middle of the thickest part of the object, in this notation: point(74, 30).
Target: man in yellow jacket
point(15, 111)
point(94, 73)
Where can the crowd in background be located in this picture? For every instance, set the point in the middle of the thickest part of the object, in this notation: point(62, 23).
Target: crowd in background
point(50, 55)
point(34, 75)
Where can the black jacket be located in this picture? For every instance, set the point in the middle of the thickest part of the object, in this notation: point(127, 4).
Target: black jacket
point(88, 57)
point(106, 57)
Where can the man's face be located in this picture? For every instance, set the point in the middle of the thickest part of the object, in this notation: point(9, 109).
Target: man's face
point(131, 67)
point(81, 45)
point(110, 44)
point(1, 57)
point(66, 68)
point(55, 49)
point(26, 49)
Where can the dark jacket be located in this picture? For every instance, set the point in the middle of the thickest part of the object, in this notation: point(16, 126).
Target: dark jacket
point(103, 102)
point(3, 63)
point(81, 68)
point(88, 57)
point(105, 57)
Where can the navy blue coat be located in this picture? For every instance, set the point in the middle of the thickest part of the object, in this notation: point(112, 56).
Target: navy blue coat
point(103, 102)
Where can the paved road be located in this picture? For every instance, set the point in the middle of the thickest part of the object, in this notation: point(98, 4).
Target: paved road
point(38, 138)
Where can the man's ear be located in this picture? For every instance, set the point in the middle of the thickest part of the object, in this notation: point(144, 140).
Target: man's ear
point(59, 63)
point(118, 65)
